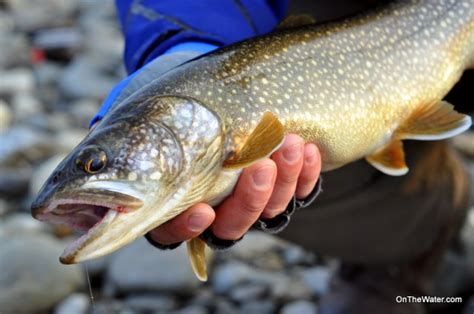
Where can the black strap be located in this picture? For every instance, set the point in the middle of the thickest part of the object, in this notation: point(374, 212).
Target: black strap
point(272, 225)
point(278, 223)
point(159, 245)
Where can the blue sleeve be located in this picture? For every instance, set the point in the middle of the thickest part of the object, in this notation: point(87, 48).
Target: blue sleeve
point(151, 27)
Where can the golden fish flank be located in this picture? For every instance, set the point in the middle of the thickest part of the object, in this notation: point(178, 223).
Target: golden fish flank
point(356, 88)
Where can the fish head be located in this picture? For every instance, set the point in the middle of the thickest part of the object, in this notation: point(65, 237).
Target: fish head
point(133, 172)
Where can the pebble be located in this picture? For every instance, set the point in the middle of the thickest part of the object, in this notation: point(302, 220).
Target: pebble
point(228, 275)
point(14, 182)
point(93, 83)
point(317, 279)
point(149, 269)
point(111, 307)
point(299, 307)
point(151, 302)
point(19, 223)
point(25, 105)
point(67, 140)
point(258, 307)
point(224, 306)
point(32, 279)
point(16, 81)
point(23, 143)
point(42, 173)
point(33, 15)
point(190, 309)
point(255, 243)
point(76, 303)
point(5, 116)
point(246, 292)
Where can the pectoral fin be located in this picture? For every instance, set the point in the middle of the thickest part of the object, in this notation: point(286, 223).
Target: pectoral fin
point(197, 258)
point(264, 140)
point(435, 121)
point(390, 159)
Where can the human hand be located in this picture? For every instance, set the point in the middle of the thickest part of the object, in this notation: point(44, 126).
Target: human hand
point(263, 191)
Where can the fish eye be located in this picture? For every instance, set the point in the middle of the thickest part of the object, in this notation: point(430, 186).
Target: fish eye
point(94, 165)
point(91, 160)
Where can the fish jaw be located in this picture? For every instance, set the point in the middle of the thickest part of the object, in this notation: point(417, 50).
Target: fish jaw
point(91, 211)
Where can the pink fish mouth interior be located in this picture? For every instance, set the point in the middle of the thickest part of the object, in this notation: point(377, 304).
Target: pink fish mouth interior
point(78, 215)
point(87, 212)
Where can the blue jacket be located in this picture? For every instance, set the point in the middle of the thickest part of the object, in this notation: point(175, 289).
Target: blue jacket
point(151, 27)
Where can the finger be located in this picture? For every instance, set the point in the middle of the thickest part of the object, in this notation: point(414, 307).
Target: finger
point(185, 226)
point(289, 161)
point(310, 172)
point(238, 213)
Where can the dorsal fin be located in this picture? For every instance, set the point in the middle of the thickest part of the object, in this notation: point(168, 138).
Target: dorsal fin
point(197, 257)
point(295, 21)
point(264, 140)
point(434, 121)
point(390, 159)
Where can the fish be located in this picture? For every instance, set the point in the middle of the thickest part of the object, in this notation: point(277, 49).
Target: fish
point(355, 87)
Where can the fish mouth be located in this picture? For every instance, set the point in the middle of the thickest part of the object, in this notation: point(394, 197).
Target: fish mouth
point(89, 212)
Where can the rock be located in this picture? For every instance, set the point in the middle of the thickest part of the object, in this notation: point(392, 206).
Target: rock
point(25, 105)
point(47, 73)
point(68, 139)
point(42, 173)
point(226, 276)
point(281, 286)
point(151, 302)
point(224, 306)
point(14, 183)
point(30, 16)
point(23, 143)
point(68, 38)
point(77, 303)
point(247, 292)
point(287, 288)
point(190, 309)
point(299, 307)
point(258, 307)
point(83, 111)
point(5, 116)
point(296, 255)
point(19, 223)
point(256, 243)
point(4, 208)
point(140, 267)
point(17, 81)
point(317, 279)
point(32, 279)
point(15, 50)
point(111, 306)
point(82, 79)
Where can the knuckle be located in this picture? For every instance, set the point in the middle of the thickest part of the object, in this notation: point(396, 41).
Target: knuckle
point(231, 232)
point(287, 179)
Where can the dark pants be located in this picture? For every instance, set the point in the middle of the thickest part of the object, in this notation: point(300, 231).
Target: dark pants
point(366, 217)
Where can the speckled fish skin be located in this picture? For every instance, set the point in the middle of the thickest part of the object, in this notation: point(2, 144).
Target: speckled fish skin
point(346, 86)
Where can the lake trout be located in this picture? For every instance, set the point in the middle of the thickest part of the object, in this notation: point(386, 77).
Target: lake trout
point(356, 88)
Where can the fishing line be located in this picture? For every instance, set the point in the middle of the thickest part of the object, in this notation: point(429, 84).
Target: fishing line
point(90, 287)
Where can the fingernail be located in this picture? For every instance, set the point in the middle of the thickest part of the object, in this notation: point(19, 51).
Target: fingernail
point(196, 222)
point(263, 177)
point(292, 154)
